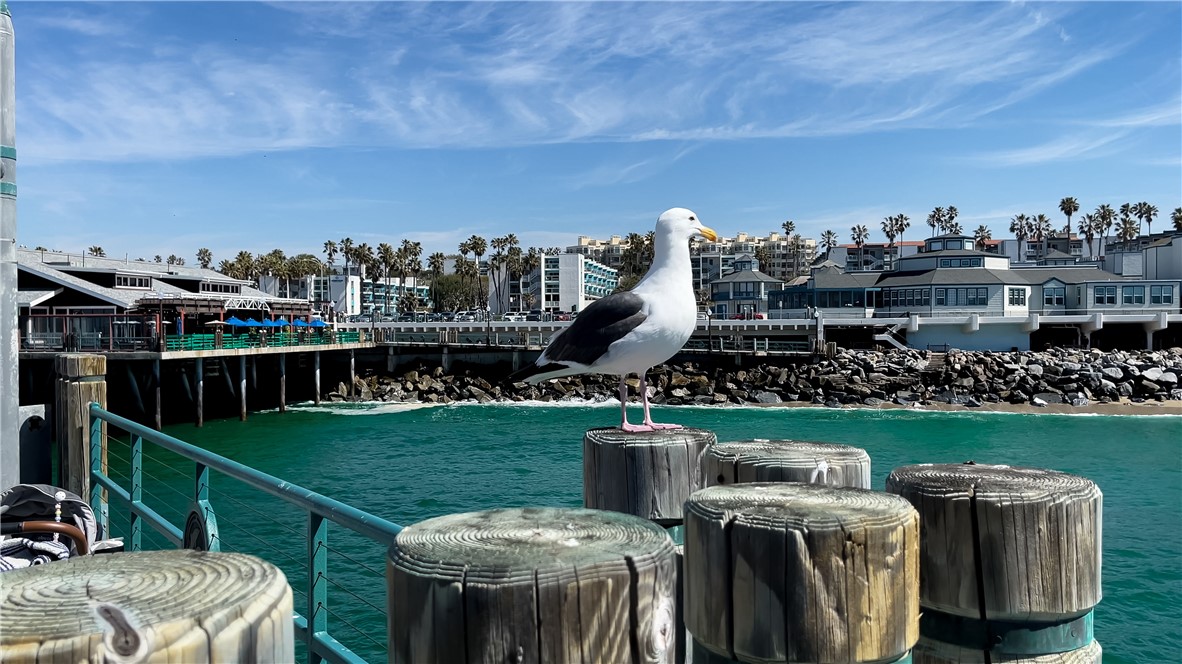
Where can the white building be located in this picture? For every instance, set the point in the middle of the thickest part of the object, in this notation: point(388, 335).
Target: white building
point(566, 282)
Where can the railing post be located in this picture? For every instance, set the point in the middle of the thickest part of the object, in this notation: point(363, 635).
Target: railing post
point(137, 490)
point(98, 503)
point(317, 610)
point(81, 379)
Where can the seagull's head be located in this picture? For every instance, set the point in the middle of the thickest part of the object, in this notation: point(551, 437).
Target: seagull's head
point(683, 224)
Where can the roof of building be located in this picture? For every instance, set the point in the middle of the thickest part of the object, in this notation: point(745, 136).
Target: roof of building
point(948, 253)
point(833, 277)
point(1056, 255)
point(31, 298)
point(746, 275)
point(62, 269)
point(952, 277)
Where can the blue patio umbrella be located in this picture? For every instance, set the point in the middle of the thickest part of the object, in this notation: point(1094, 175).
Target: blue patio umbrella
point(250, 322)
point(300, 322)
point(282, 322)
point(267, 322)
point(234, 321)
point(316, 323)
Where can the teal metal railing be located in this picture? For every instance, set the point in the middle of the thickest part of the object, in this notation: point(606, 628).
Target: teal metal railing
point(200, 529)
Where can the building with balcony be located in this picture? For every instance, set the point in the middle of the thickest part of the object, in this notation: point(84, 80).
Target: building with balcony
point(950, 281)
point(743, 291)
point(564, 283)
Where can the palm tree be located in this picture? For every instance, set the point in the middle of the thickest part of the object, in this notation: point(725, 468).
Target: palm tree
point(936, 220)
point(1088, 225)
point(330, 252)
point(1128, 231)
point(204, 258)
point(531, 263)
point(859, 235)
point(1127, 212)
point(953, 228)
point(950, 219)
point(386, 260)
point(797, 252)
point(435, 266)
point(1176, 217)
point(96, 251)
point(902, 223)
point(981, 236)
point(346, 246)
point(244, 265)
point(159, 258)
point(1068, 206)
point(226, 267)
point(890, 230)
point(1147, 212)
point(1042, 230)
point(789, 227)
point(829, 241)
point(464, 248)
point(1105, 217)
point(1018, 226)
point(412, 253)
point(479, 248)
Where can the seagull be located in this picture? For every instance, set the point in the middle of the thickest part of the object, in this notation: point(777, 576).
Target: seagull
point(633, 331)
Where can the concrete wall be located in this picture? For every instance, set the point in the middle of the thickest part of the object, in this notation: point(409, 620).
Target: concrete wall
point(1164, 262)
point(989, 337)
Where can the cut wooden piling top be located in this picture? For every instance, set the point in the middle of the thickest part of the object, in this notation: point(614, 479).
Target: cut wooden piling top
point(762, 460)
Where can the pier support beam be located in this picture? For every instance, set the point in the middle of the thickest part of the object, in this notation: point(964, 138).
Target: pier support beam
point(316, 373)
point(1161, 322)
point(516, 360)
point(445, 360)
point(159, 422)
point(200, 392)
point(283, 382)
point(242, 387)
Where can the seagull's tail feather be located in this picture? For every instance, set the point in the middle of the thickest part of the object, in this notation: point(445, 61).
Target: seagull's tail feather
point(534, 373)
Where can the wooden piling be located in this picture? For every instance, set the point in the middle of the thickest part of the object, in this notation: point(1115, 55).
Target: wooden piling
point(649, 474)
point(242, 388)
point(790, 572)
point(283, 382)
point(159, 421)
point(530, 586)
point(181, 606)
point(762, 460)
point(1010, 562)
point(316, 375)
point(81, 379)
point(200, 378)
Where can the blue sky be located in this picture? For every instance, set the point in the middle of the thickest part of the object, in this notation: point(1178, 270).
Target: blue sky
point(158, 128)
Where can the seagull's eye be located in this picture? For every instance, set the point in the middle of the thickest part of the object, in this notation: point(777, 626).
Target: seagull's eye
point(692, 219)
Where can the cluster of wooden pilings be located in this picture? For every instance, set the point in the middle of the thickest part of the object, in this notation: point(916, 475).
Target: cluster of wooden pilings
point(788, 556)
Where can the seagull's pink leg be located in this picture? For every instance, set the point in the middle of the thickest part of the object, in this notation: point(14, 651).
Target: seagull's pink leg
point(624, 425)
point(648, 419)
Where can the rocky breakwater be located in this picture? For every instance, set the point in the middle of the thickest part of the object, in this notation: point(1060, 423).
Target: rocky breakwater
point(867, 378)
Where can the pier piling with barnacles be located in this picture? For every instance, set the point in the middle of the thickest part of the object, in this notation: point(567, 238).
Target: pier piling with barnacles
point(1010, 564)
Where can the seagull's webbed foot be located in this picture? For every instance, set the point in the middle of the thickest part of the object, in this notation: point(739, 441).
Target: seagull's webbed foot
point(635, 428)
point(657, 426)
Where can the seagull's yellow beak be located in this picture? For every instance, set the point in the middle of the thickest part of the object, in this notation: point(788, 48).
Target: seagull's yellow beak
point(708, 233)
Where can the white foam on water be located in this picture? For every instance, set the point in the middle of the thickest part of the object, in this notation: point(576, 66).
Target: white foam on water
point(358, 407)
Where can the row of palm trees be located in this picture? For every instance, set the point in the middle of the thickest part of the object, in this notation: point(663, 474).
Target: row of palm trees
point(1038, 228)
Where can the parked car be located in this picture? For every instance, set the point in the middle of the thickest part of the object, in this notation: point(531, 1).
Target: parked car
point(562, 316)
point(535, 315)
point(514, 316)
point(748, 316)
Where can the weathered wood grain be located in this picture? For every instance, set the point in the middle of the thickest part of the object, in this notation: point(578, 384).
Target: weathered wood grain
point(180, 606)
point(786, 461)
point(1038, 539)
point(532, 585)
point(791, 572)
point(649, 474)
point(81, 379)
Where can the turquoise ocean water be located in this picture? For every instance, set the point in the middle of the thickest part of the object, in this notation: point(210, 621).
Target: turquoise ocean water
point(410, 464)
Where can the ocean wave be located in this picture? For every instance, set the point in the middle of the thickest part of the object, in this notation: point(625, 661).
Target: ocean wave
point(358, 407)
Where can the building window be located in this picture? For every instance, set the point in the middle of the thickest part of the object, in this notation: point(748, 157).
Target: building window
point(1053, 297)
point(1161, 294)
point(1105, 295)
point(1017, 297)
point(944, 262)
point(1134, 294)
point(976, 262)
point(940, 297)
point(126, 281)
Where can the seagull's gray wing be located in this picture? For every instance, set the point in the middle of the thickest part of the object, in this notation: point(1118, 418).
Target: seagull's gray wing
point(601, 324)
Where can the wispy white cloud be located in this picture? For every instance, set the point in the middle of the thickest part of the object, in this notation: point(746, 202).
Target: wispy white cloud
point(1082, 146)
point(425, 75)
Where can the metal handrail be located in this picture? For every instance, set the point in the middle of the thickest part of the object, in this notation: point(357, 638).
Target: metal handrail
point(320, 509)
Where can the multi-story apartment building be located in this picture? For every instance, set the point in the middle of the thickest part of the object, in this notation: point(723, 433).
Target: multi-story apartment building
point(564, 282)
point(339, 295)
point(953, 294)
point(712, 260)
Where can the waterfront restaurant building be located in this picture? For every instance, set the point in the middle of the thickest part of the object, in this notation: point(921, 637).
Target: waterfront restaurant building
point(742, 292)
point(952, 295)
